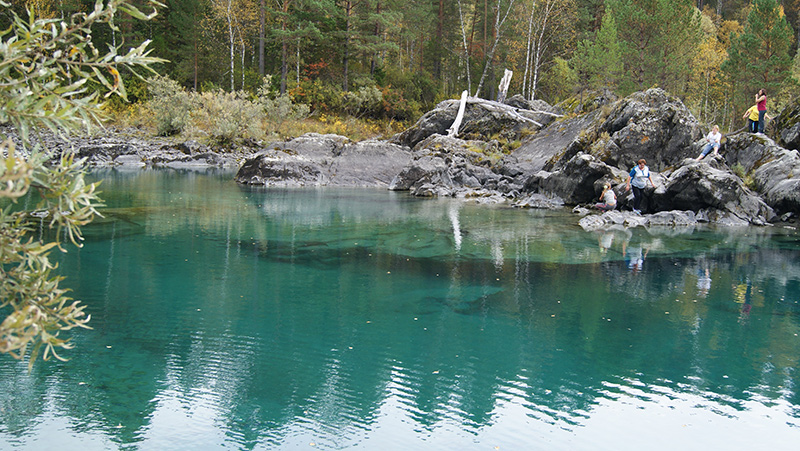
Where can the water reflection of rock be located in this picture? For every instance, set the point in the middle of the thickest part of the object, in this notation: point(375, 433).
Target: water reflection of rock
point(552, 324)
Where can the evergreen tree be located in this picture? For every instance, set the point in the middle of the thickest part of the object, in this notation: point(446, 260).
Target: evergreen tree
point(599, 62)
point(760, 57)
point(179, 40)
point(658, 38)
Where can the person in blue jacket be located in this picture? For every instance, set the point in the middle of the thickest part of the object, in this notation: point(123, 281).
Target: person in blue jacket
point(638, 178)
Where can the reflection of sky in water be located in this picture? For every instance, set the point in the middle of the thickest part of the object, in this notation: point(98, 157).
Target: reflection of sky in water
point(228, 317)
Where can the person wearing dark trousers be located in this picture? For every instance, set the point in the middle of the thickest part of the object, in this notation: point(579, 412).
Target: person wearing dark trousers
point(638, 178)
point(761, 101)
point(752, 119)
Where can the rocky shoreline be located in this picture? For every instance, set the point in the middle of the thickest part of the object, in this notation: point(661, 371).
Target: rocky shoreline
point(563, 159)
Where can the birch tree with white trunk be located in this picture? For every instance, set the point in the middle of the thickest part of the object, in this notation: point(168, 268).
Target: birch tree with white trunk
point(501, 14)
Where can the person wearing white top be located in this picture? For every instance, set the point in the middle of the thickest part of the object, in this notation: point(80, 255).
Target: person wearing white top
point(608, 197)
point(638, 178)
point(714, 138)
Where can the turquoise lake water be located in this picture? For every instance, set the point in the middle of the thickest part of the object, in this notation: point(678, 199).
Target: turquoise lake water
point(228, 317)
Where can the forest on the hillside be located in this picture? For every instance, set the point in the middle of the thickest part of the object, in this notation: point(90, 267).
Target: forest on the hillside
point(409, 55)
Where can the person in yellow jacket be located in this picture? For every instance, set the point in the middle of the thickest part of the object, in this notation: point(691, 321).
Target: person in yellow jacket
point(752, 119)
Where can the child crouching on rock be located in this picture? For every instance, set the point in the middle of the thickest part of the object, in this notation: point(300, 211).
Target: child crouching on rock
point(608, 198)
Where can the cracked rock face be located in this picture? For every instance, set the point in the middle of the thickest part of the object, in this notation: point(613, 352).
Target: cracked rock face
point(565, 162)
point(316, 160)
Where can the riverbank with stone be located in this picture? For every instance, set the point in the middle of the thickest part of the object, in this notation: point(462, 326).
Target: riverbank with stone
point(563, 160)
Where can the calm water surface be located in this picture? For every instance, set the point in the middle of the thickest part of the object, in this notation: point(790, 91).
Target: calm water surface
point(227, 317)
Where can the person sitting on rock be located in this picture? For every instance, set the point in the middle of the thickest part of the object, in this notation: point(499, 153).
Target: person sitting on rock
point(608, 198)
point(714, 138)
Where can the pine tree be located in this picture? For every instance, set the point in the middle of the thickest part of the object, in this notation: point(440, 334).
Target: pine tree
point(760, 56)
point(659, 38)
point(600, 61)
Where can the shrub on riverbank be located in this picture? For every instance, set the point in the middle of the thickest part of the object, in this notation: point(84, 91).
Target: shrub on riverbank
point(221, 117)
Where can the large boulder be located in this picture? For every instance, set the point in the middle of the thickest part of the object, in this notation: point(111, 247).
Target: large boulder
point(317, 160)
point(587, 101)
point(697, 186)
point(483, 120)
point(577, 182)
point(551, 144)
point(652, 125)
point(786, 126)
point(773, 169)
point(446, 166)
point(270, 169)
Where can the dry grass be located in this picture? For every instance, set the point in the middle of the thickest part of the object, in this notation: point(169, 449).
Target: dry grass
point(135, 116)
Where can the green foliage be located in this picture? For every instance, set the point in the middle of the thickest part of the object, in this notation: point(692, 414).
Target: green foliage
point(760, 56)
point(560, 81)
point(599, 61)
point(747, 179)
point(321, 97)
point(170, 104)
point(365, 101)
point(279, 108)
point(384, 102)
point(136, 89)
point(230, 115)
point(658, 39)
point(225, 116)
point(46, 74)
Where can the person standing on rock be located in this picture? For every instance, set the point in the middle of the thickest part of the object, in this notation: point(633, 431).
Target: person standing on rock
point(714, 138)
point(638, 178)
point(761, 101)
point(752, 118)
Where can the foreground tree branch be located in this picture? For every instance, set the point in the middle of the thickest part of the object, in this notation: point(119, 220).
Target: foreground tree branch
point(51, 76)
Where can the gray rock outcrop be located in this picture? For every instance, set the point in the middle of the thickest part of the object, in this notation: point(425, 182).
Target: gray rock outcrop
point(773, 170)
point(555, 161)
point(482, 120)
point(697, 186)
point(564, 163)
point(317, 160)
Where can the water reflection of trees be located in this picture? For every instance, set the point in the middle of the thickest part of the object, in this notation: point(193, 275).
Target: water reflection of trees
point(479, 306)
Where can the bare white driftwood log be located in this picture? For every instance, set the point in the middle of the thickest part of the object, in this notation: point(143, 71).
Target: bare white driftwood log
point(491, 106)
point(504, 85)
point(453, 130)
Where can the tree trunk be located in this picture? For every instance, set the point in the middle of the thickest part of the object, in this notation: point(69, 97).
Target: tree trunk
point(244, 52)
point(297, 62)
point(348, 7)
point(466, 48)
point(501, 96)
point(284, 46)
point(261, 31)
point(374, 62)
point(540, 48)
point(528, 47)
point(437, 62)
point(284, 65)
point(195, 64)
point(498, 24)
point(231, 42)
point(453, 130)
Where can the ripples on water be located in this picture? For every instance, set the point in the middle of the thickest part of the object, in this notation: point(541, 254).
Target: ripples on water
point(236, 318)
